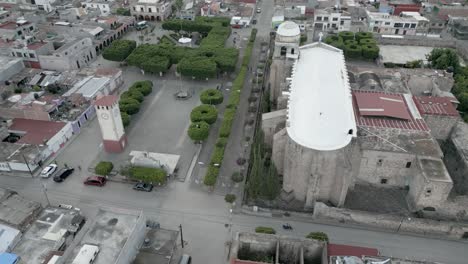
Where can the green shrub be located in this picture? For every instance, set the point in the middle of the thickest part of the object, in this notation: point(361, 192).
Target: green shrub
point(133, 94)
point(122, 11)
point(119, 50)
point(352, 51)
point(145, 87)
point(148, 175)
point(414, 64)
point(366, 41)
point(129, 106)
point(221, 142)
point(229, 114)
point(370, 51)
point(230, 198)
point(104, 168)
point(303, 39)
point(237, 177)
point(351, 42)
point(265, 230)
point(125, 119)
point(156, 64)
point(198, 67)
point(206, 113)
point(225, 129)
point(318, 236)
point(217, 156)
point(211, 176)
point(346, 35)
point(211, 96)
point(199, 131)
point(363, 35)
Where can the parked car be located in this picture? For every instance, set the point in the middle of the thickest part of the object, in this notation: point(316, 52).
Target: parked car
point(49, 170)
point(95, 180)
point(146, 187)
point(63, 174)
point(259, 10)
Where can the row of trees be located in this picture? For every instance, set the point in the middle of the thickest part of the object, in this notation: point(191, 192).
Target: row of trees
point(204, 115)
point(355, 45)
point(217, 156)
point(200, 63)
point(130, 100)
point(119, 50)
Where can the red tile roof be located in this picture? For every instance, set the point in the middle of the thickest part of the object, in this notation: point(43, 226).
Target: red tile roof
point(457, 12)
point(406, 8)
point(37, 132)
point(384, 121)
point(107, 100)
point(384, 105)
point(430, 105)
point(346, 250)
point(36, 45)
point(9, 25)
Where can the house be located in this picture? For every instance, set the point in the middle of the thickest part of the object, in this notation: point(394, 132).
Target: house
point(330, 19)
point(9, 67)
point(387, 24)
point(151, 10)
point(73, 54)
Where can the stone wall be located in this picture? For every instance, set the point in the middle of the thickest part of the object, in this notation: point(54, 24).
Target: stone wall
point(386, 168)
point(390, 223)
point(279, 143)
point(441, 126)
point(271, 123)
point(455, 160)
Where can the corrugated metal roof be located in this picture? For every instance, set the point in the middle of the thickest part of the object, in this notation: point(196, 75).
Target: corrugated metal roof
point(380, 104)
point(430, 105)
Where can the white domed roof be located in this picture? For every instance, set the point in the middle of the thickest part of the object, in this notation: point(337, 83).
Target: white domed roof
point(288, 29)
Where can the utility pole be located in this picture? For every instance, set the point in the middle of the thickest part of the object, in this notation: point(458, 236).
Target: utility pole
point(44, 189)
point(181, 236)
point(27, 164)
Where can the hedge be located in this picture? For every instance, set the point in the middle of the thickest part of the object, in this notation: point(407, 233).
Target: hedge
point(206, 113)
point(265, 230)
point(186, 25)
point(364, 35)
point(211, 175)
point(221, 142)
point(351, 42)
point(148, 175)
point(346, 35)
point(157, 64)
point(230, 198)
point(197, 67)
point(318, 236)
point(129, 105)
point(125, 119)
point(228, 118)
point(217, 156)
point(145, 87)
point(104, 168)
point(211, 96)
point(199, 131)
point(367, 41)
point(133, 94)
point(119, 50)
point(352, 51)
point(370, 51)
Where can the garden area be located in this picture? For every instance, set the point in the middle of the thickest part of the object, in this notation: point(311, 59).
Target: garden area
point(207, 61)
point(360, 45)
point(131, 100)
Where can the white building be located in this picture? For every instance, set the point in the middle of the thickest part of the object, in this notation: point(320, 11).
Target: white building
point(152, 10)
point(9, 67)
point(332, 20)
point(103, 5)
point(287, 40)
point(387, 24)
point(74, 54)
point(9, 237)
point(110, 121)
point(45, 5)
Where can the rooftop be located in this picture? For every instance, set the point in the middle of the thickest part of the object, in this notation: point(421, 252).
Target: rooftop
point(111, 231)
point(15, 210)
point(7, 62)
point(92, 86)
point(46, 234)
point(36, 132)
point(434, 169)
point(347, 250)
point(288, 29)
point(403, 54)
point(18, 152)
point(376, 109)
point(430, 105)
point(36, 45)
point(158, 248)
point(320, 111)
point(107, 100)
point(8, 237)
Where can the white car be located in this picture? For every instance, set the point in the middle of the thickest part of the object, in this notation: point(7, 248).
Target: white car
point(48, 171)
point(259, 10)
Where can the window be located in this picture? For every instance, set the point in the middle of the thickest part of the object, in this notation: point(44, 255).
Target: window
point(31, 55)
point(398, 25)
point(19, 32)
point(19, 54)
point(383, 181)
point(335, 19)
point(157, 10)
point(149, 10)
point(141, 9)
point(319, 18)
point(428, 192)
point(377, 22)
point(325, 18)
point(31, 28)
point(407, 25)
point(134, 8)
point(341, 22)
point(413, 25)
point(333, 25)
point(440, 24)
point(387, 23)
point(408, 164)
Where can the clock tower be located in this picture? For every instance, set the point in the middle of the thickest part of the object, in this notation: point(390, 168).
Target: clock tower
point(110, 121)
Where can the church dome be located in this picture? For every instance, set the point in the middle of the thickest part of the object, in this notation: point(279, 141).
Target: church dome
point(288, 29)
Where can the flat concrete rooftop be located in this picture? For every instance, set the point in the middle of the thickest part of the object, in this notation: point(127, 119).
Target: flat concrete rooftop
point(158, 247)
point(434, 169)
point(402, 54)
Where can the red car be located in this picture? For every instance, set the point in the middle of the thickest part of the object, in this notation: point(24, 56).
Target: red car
point(95, 180)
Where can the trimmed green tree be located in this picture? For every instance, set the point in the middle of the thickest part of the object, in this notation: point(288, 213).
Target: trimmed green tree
point(129, 106)
point(119, 50)
point(351, 42)
point(442, 58)
point(133, 93)
point(148, 175)
point(368, 41)
point(145, 87)
point(230, 198)
point(197, 67)
point(122, 11)
point(104, 168)
point(370, 51)
point(157, 64)
point(211, 96)
point(265, 230)
point(346, 35)
point(125, 119)
point(352, 51)
point(198, 131)
point(211, 175)
point(217, 156)
point(206, 113)
point(318, 236)
point(363, 35)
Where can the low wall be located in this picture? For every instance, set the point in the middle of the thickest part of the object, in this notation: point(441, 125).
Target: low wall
point(391, 223)
point(417, 41)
